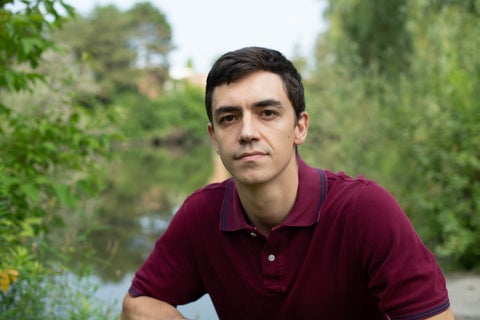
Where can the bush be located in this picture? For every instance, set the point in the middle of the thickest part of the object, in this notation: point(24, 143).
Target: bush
point(50, 155)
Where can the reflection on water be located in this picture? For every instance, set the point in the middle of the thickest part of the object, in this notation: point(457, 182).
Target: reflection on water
point(145, 187)
point(201, 309)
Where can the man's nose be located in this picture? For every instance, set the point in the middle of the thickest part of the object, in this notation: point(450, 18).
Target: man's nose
point(248, 129)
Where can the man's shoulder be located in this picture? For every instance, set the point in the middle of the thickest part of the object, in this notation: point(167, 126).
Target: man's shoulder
point(339, 183)
point(342, 179)
point(344, 188)
point(203, 206)
point(209, 194)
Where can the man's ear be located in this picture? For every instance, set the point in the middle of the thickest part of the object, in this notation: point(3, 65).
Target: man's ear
point(211, 134)
point(301, 128)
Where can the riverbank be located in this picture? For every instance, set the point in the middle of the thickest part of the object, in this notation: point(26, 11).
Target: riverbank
point(464, 291)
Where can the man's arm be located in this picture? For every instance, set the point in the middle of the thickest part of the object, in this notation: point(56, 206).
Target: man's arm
point(446, 315)
point(147, 308)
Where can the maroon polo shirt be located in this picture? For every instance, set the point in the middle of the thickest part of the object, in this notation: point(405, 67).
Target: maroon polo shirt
point(345, 251)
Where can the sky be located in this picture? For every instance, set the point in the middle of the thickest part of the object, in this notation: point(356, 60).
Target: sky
point(205, 29)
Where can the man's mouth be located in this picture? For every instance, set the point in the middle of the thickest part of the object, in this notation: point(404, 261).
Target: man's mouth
point(250, 155)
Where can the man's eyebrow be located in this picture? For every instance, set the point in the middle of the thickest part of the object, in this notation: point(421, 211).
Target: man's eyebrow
point(225, 109)
point(259, 104)
point(267, 103)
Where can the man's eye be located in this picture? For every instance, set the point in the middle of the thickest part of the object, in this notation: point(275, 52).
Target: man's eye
point(227, 118)
point(269, 113)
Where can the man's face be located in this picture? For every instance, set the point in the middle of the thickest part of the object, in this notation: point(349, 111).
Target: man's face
point(255, 129)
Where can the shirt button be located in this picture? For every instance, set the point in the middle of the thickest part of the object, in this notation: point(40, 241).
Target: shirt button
point(271, 257)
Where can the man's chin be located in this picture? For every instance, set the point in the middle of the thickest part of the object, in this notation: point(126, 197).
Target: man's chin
point(250, 178)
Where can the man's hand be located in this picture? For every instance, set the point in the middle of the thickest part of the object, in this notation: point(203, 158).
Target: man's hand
point(147, 308)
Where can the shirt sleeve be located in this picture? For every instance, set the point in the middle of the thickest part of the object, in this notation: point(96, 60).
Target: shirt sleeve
point(169, 273)
point(403, 274)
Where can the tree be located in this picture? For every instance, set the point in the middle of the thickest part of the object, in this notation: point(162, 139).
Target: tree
point(48, 157)
point(22, 28)
point(128, 51)
point(400, 104)
point(101, 40)
point(377, 32)
point(439, 111)
point(151, 39)
point(151, 35)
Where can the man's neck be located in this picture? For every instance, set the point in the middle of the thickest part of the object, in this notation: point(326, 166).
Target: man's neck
point(267, 205)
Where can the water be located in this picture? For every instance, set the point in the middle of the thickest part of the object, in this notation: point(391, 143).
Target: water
point(112, 288)
point(114, 292)
point(147, 186)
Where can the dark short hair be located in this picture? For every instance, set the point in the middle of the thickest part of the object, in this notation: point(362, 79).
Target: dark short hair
point(236, 64)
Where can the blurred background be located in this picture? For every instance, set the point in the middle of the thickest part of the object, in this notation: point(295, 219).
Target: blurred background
point(103, 128)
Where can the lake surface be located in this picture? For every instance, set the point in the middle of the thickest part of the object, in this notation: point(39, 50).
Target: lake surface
point(145, 189)
point(113, 292)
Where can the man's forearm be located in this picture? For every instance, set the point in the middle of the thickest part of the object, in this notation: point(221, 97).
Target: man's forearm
point(146, 308)
point(446, 315)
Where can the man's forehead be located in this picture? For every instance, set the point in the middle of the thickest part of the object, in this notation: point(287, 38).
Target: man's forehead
point(259, 85)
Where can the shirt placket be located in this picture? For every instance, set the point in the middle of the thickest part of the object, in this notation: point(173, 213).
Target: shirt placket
point(273, 262)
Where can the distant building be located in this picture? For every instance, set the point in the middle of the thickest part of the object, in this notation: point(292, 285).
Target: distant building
point(190, 75)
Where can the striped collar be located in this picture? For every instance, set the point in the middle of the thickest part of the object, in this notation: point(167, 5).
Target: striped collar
point(312, 190)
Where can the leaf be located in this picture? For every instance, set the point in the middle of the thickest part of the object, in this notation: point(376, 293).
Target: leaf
point(29, 226)
point(7, 277)
point(31, 191)
point(29, 44)
point(64, 194)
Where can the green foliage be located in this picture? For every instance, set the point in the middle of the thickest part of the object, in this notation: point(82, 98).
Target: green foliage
point(42, 153)
point(50, 155)
point(22, 30)
point(101, 41)
point(44, 292)
point(443, 144)
point(184, 108)
point(414, 130)
point(127, 50)
point(150, 36)
point(376, 32)
point(175, 116)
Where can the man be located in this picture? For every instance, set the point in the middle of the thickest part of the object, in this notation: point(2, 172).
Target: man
point(280, 239)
